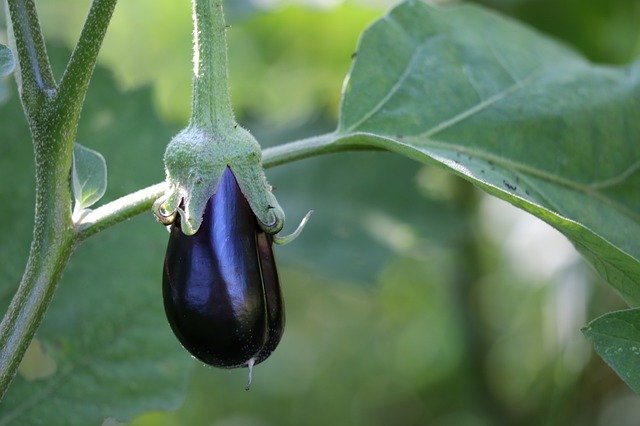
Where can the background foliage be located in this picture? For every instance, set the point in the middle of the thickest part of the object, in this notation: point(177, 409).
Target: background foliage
point(461, 311)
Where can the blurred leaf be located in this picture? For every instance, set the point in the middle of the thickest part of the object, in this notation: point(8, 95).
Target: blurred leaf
point(105, 330)
point(285, 64)
point(616, 337)
point(88, 176)
point(6, 61)
point(36, 363)
point(605, 31)
point(523, 118)
point(357, 228)
point(301, 78)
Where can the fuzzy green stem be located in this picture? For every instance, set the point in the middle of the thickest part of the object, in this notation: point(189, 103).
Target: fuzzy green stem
point(75, 81)
point(119, 210)
point(53, 241)
point(53, 119)
point(211, 103)
point(33, 72)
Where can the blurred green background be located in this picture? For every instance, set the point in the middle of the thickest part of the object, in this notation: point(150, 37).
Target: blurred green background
point(411, 297)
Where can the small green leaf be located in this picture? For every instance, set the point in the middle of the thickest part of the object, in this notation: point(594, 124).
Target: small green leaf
point(7, 64)
point(521, 116)
point(616, 337)
point(89, 176)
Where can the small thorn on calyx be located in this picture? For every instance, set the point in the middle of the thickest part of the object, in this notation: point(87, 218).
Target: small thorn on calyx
point(250, 364)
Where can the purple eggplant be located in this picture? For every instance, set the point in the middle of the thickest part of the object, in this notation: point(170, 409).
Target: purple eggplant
point(220, 286)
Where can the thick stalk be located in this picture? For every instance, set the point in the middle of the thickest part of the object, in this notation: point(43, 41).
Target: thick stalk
point(53, 117)
point(211, 100)
point(76, 78)
point(52, 244)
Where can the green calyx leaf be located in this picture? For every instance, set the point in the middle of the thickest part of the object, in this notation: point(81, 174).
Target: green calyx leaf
point(7, 63)
point(522, 117)
point(195, 160)
point(88, 177)
point(616, 338)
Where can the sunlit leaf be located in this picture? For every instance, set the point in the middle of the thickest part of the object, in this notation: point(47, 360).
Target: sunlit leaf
point(616, 338)
point(88, 176)
point(521, 116)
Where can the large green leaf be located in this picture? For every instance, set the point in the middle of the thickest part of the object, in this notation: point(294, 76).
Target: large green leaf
point(521, 116)
point(104, 349)
point(616, 337)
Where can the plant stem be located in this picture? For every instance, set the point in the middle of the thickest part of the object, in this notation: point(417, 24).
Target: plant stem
point(33, 72)
point(53, 241)
point(75, 81)
point(297, 150)
point(53, 118)
point(211, 100)
point(119, 210)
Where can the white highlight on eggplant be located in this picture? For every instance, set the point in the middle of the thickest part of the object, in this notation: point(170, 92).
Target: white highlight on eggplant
point(250, 364)
point(288, 238)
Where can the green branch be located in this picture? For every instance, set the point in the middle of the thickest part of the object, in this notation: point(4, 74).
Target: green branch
point(53, 119)
point(76, 78)
point(33, 73)
point(53, 242)
point(119, 210)
point(47, 260)
point(211, 100)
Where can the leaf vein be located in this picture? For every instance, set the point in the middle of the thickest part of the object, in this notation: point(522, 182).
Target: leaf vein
point(616, 180)
point(480, 106)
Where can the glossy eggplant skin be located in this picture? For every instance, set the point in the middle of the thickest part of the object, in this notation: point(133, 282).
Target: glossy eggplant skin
point(221, 289)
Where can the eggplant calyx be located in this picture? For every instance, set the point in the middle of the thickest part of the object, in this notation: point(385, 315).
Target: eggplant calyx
point(195, 161)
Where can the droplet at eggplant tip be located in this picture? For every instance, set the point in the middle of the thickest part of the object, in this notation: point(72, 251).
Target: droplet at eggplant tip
point(220, 284)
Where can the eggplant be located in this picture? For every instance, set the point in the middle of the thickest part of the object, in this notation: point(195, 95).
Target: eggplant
point(221, 289)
